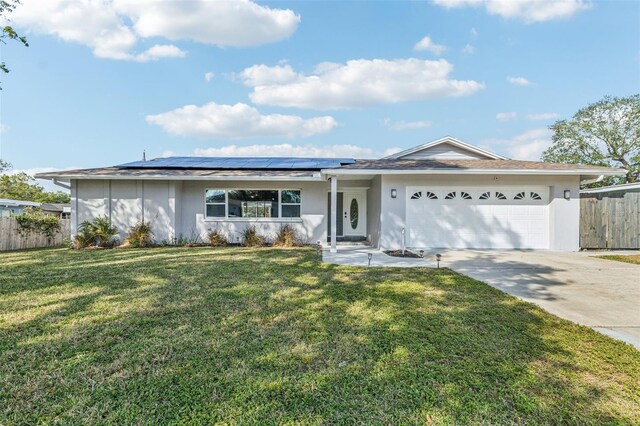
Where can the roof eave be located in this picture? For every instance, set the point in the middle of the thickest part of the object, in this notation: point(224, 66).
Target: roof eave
point(316, 177)
point(579, 172)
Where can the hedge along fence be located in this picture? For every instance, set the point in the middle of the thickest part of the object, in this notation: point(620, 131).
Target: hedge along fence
point(13, 237)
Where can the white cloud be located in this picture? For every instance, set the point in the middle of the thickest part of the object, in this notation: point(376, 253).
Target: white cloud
point(529, 11)
point(469, 49)
point(518, 81)
point(288, 150)
point(426, 44)
point(357, 83)
point(3, 128)
point(473, 32)
point(208, 76)
point(542, 116)
point(236, 122)
point(506, 116)
point(159, 51)
point(113, 28)
point(528, 145)
point(261, 75)
point(405, 125)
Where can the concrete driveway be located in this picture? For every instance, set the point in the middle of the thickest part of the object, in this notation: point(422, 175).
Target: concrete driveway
point(601, 294)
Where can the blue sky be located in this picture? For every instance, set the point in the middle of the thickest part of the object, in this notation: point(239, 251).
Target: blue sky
point(304, 78)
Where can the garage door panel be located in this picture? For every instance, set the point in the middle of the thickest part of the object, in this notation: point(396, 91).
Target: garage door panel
point(451, 221)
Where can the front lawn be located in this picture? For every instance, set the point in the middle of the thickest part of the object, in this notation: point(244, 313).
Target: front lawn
point(632, 258)
point(270, 336)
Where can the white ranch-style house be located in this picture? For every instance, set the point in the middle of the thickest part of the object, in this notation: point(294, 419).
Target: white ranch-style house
point(443, 194)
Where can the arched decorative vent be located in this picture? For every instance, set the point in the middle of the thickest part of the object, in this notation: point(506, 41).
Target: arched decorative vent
point(430, 195)
point(416, 195)
point(535, 196)
point(519, 196)
point(485, 196)
point(451, 196)
point(465, 195)
point(500, 196)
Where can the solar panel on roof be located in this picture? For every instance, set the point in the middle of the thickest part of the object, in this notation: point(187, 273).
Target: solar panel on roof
point(273, 163)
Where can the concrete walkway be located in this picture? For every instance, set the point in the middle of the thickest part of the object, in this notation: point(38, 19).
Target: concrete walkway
point(601, 294)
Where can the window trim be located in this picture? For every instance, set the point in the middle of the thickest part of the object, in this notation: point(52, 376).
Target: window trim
point(252, 219)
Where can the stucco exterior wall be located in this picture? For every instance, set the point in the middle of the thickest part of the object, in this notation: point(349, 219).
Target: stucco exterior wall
point(312, 225)
point(125, 202)
point(564, 215)
point(177, 207)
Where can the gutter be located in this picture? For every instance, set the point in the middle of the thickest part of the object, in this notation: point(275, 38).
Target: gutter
point(603, 172)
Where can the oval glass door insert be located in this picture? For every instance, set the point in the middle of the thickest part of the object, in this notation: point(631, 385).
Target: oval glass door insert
point(353, 213)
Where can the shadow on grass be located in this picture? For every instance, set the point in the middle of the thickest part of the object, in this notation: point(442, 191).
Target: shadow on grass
point(274, 336)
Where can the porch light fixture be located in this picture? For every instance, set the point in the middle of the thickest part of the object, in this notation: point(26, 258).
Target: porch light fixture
point(567, 194)
point(394, 193)
point(369, 256)
point(438, 257)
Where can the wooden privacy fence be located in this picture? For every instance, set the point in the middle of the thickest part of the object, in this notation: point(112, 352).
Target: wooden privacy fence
point(610, 221)
point(11, 239)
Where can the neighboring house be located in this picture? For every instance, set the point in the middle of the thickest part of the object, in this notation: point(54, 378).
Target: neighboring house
point(611, 191)
point(445, 194)
point(9, 207)
point(63, 211)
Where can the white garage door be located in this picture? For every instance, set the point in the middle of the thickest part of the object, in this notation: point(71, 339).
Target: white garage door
point(516, 217)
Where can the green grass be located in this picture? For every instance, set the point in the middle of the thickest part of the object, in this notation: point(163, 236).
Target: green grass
point(266, 336)
point(632, 258)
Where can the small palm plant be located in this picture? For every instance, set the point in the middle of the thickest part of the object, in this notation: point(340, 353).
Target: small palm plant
point(104, 231)
point(99, 232)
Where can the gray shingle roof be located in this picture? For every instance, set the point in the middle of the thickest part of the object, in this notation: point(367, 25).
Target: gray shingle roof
point(399, 164)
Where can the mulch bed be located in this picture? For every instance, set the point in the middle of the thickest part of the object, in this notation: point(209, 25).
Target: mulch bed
point(398, 253)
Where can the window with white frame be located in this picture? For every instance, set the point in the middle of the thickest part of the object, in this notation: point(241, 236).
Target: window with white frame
point(261, 203)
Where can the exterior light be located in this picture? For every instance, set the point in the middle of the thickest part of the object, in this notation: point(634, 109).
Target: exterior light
point(421, 253)
point(438, 257)
point(369, 256)
point(394, 193)
point(318, 248)
point(567, 194)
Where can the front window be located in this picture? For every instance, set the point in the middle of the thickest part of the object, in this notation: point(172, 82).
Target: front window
point(241, 203)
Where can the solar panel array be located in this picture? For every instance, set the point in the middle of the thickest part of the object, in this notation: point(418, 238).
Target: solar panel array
point(239, 163)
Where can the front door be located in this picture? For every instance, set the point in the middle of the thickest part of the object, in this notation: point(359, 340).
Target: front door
point(354, 213)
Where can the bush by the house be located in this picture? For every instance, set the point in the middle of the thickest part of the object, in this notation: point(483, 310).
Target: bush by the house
point(217, 239)
point(34, 220)
point(287, 236)
point(140, 235)
point(251, 238)
point(100, 233)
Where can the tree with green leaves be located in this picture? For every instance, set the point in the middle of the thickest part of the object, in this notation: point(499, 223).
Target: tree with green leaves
point(20, 186)
point(8, 33)
point(4, 165)
point(605, 133)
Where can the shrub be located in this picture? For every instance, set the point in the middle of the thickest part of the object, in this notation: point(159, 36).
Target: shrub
point(140, 235)
point(85, 236)
point(104, 231)
point(35, 220)
point(251, 238)
point(217, 239)
point(286, 236)
point(100, 232)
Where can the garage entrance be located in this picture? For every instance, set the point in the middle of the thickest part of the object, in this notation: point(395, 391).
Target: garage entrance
point(484, 218)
